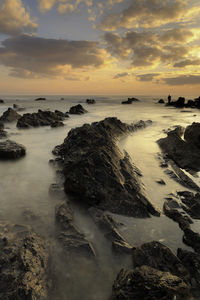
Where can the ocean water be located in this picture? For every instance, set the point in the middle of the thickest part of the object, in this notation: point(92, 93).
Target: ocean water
point(24, 185)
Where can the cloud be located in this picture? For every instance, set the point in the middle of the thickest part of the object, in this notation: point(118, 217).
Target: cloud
point(147, 77)
point(15, 19)
point(176, 35)
point(149, 14)
point(30, 56)
point(187, 62)
point(63, 6)
point(121, 75)
point(183, 80)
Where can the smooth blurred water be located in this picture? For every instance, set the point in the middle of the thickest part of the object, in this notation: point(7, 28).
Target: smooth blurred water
point(24, 184)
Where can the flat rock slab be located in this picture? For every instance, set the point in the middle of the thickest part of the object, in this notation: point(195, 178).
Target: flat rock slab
point(11, 150)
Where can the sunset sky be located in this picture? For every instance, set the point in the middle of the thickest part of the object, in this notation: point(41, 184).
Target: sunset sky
point(140, 47)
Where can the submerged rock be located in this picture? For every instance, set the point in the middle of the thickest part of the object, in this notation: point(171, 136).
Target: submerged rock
point(184, 152)
point(145, 283)
point(97, 173)
point(24, 264)
point(77, 110)
point(10, 115)
point(41, 118)
point(71, 239)
point(11, 150)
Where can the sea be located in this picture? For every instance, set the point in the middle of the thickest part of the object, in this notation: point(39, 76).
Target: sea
point(24, 185)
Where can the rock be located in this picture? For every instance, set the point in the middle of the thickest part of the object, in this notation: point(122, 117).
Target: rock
point(130, 101)
point(146, 283)
point(10, 115)
point(40, 99)
point(191, 203)
point(41, 118)
point(185, 153)
point(121, 247)
point(161, 101)
point(3, 134)
point(1, 101)
point(24, 264)
point(160, 257)
point(57, 124)
point(11, 150)
point(77, 110)
point(179, 103)
point(192, 239)
point(98, 174)
point(71, 239)
point(16, 107)
point(90, 101)
point(161, 181)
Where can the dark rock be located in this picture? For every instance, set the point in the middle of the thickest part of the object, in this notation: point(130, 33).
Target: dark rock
point(57, 124)
point(90, 101)
point(192, 239)
point(97, 173)
point(71, 239)
point(11, 150)
point(77, 110)
point(146, 283)
point(1, 101)
point(161, 181)
point(40, 99)
point(160, 257)
point(121, 247)
point(23, 264)
point(3, 134)
point(161, 101)
point(41, 118)
point(10, 115)
point(179, 103)
point(192, 203)
point(130, 101)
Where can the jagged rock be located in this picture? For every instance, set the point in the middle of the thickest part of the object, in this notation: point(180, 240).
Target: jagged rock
point(185, 153)
point(23, 264)
point(191, 203)
point(61, 114)
point(57, 124)
point(97, 173)
point(10, 115)
point(121, 247)
point(71, 239)
point(90, 101)
point(192, 239)
point(179, 103)
point(41, 118)
point(146, 283)
point(40, 99)
point(77, 110)
point(11, 150)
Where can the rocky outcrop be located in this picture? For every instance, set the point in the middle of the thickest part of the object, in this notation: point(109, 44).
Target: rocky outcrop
point(57, 124)
point(145, 283)
point(10, 115)
point(77, 110)
point(11, 150)
point(184, 152)
point(41, 118)
point(130, 101)
point(24, 264)
point(71, 239)
point(98, 174)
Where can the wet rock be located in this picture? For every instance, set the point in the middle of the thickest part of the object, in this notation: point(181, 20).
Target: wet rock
point(192, 239)
point(90, 101)
point(179, 103)
point(191, 203)
point(160, 257)
point(24, 264)
point(11, 150)
point(41, 118)
point(161, 101)
point(1, 101)
point(71, 239)
point(97, 173)
point(10, 115)
point(57, 124)
point(40, 99)
point(61, 114)
point(77, 110)
point(184, 152)
point(145, 283)
point(121, 247)
point(130, 101)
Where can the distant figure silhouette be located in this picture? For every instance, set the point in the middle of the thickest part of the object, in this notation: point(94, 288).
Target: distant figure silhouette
point(169, 99)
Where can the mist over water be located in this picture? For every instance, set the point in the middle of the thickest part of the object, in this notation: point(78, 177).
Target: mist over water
point(24, 186)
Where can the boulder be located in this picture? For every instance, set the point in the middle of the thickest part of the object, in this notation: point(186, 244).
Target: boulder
point(57, 124)
point(77, 110)
point(90, 101)
point(40, 99)
point(11, 150)
point(71, 239)
point(1, 101)
point(24, 262)
point(98, 174)
point(41, 118)
point(10, 115)
point(161, 101)
point(146, 283)
point(130, 101)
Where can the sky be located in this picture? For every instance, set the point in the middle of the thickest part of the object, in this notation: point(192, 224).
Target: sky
point(125, 47)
